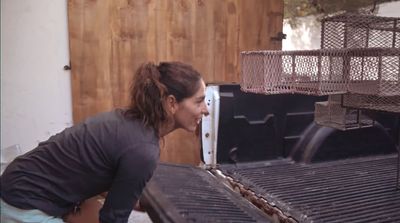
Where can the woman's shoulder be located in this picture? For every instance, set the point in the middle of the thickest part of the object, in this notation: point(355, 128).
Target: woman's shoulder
point(112, 115)
point(127, 127)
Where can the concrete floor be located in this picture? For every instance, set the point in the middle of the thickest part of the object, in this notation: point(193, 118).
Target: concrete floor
point(139, 217)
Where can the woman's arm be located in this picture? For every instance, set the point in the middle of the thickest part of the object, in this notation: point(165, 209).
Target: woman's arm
point(135, 168)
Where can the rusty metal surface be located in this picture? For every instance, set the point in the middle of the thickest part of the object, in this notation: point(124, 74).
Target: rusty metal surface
point(350, 30)
point(374, 79)
point(360, 54)
point(314, 72)
point(334, 115)
point(372, 102)
point(353, 190)
point(179, 193)
point(372, 71)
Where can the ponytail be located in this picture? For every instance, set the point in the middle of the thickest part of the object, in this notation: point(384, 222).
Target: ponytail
point(147, 94)
point(151, 84)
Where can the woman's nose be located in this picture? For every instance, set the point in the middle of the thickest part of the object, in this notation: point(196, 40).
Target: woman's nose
point(205, 110)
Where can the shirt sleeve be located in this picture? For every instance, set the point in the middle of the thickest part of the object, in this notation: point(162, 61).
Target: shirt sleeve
point(135, 167)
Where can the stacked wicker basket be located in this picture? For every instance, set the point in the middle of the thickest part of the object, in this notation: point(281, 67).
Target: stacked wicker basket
point(359, 60)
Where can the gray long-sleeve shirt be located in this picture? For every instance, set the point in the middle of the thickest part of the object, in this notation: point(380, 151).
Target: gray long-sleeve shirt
point(107, 152)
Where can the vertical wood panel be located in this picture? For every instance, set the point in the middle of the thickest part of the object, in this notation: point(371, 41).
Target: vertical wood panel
point(110, 39)
point(203, 46)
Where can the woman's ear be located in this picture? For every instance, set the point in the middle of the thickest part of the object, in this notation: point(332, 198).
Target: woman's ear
point(172, 105)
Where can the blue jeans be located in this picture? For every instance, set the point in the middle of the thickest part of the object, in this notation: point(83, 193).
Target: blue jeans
point(10, 214)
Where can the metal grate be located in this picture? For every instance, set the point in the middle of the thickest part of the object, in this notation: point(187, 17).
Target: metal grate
point(266, 72)
point(359, 54)
point(190, 194)
point(374, 71)
point(316, 72)
point(351, 30)
point(372, 102)
point(331, 113)
point(353, 190)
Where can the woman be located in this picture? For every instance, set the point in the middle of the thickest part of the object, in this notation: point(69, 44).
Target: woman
point(115, 151)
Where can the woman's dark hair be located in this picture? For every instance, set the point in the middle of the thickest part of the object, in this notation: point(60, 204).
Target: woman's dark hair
point(151, 84)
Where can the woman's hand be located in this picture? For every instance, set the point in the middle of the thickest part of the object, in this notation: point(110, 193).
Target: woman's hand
point(88, 213)
point(138, 207)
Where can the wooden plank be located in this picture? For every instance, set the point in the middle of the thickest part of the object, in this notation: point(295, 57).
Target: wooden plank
point(89, 51)
point(110, 39)
point(203, 34)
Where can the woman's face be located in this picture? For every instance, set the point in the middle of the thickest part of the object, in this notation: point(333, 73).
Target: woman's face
point(189, 111)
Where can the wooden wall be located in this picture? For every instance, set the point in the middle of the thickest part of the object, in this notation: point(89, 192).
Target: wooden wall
point(110, 39)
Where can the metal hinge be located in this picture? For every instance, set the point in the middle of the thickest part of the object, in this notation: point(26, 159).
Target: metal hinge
point(279, 36)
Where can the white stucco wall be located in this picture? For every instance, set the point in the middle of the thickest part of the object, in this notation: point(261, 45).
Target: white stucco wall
point(35, 90)
point(307, 34)
point(389, 9)
point(304, 36)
